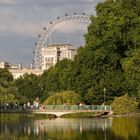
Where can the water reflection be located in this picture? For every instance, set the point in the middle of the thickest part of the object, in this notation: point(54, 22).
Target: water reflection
point(128, 128)
point(71, 129)
point(80, 125)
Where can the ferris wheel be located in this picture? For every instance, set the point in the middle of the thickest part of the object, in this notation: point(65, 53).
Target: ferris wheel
point(45, 36)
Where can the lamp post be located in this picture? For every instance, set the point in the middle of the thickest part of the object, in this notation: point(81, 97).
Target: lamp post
point(104, 94)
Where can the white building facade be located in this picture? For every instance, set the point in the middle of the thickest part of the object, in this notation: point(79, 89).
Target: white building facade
point(4, 65)
point(54, 53)
point(20, 72)
point(50, 56)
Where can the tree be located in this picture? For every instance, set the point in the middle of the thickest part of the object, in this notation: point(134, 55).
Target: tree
point(69, 97)
point(28, 88)
point(113, 32)
point(131, 67)
point(57, 78)
point(5, 75)
point(6, 80)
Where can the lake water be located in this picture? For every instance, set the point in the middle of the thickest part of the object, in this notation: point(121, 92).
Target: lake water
point(70, 129)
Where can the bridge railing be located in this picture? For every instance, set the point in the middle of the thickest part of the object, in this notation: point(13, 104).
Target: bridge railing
point(78, 107)
point(60, 108)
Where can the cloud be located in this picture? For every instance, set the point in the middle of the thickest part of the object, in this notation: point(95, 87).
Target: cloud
point(27, 28)
point(38, 12)
point(23, 20)
point(8, 2)
point(72, 27)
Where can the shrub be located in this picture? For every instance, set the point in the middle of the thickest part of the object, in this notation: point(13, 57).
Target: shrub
point(125, 104)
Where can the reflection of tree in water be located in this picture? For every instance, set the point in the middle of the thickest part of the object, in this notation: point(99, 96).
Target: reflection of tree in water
point(58, 128)
point(76, 124)
point(127, 128)
point(67, 129)
point(72, 128)
point(20, 129)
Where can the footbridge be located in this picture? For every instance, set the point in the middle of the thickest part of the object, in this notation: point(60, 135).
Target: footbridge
point(59, 110)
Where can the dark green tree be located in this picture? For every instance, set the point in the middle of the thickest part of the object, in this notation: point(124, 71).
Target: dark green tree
point(113, 32)
point(28, 88)
point(57, 78)
point(131, 67)
point(6, 82)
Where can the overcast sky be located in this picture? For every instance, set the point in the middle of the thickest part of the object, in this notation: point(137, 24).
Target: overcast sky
point(22, 20)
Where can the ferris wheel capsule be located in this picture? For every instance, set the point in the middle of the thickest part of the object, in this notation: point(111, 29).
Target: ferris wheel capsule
point(66, 15)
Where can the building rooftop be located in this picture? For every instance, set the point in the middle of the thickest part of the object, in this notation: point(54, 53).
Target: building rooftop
point(53, 45)
point(69, 46)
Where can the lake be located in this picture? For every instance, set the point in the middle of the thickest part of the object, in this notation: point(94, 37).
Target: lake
point(21, 127)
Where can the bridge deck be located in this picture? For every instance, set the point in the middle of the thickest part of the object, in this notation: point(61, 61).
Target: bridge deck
point(59, 110)
point(77, 107)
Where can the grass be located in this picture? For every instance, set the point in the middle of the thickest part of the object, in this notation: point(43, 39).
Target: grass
point(81, 115)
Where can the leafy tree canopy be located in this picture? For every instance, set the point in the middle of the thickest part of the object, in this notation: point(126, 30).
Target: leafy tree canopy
point(6, 79)
point(28, 88)
point(65, 97)
point(112, 34)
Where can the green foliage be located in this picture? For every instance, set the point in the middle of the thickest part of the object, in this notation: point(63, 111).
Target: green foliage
point(57, 78)
point(98, 64)
point(131, 67)
point(6, 79)
point(67, 97)
point(9, 98)
point(125, 104)
point(106, 61)
point(5, 75)
point(28, 88)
